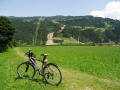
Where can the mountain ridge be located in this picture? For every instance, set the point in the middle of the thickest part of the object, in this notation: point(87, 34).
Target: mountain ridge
point(82, 28)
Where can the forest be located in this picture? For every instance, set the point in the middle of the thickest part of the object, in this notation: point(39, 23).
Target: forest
point(84, 29)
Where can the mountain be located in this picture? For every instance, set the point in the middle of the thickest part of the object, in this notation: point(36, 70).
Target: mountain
point(34, 30)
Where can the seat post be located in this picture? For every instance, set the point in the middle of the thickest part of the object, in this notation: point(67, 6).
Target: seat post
point(44, 57)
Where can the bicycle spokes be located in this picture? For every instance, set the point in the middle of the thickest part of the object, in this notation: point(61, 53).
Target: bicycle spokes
point(25, 70)
point(52, 74)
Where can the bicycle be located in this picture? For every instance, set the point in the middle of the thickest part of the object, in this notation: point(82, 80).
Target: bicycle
point(50, 71)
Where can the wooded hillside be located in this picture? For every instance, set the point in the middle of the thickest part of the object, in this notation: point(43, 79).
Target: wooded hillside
point(34, 30)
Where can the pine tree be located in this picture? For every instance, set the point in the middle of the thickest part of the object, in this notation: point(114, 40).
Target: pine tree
point(7, 31)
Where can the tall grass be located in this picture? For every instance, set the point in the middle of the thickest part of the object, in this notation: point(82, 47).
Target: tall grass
point(83, 67)
point(99, 61)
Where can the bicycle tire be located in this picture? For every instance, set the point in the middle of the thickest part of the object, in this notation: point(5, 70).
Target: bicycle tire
point(52, 74)
point(26, 70)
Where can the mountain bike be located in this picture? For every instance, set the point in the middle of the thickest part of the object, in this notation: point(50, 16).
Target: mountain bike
point(50, 71)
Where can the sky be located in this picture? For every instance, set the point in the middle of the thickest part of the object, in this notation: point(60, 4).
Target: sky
point(25, 8)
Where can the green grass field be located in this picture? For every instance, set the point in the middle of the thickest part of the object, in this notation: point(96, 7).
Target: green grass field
point(83, 68)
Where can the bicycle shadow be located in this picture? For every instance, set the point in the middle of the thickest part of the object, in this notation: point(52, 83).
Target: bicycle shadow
point(39, 81)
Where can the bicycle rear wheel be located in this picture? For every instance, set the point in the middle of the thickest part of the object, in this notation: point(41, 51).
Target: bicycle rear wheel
point(26, 70)
point(52, 74)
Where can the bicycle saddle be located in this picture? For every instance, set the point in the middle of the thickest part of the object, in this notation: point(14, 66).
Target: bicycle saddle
point(44, 54)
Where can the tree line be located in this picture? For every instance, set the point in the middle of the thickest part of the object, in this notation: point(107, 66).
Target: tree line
point(92, 29)
point(33, 31)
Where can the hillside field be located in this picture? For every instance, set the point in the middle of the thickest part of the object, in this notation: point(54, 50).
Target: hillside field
point(83, 68)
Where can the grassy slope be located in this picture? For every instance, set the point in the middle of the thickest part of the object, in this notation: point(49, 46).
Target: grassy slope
point(83, 68)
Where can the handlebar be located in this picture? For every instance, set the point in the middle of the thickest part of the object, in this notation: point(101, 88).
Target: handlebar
point(31, 54)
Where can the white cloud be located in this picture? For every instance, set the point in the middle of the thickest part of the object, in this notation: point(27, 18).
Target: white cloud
point(112, 10)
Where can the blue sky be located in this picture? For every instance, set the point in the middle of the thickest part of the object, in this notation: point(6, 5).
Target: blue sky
point(57, 7)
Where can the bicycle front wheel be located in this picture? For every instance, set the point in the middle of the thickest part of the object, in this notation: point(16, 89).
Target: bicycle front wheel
point(26, 70)
point(52, 74)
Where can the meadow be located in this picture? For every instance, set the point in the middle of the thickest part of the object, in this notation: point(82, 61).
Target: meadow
point(83, 68)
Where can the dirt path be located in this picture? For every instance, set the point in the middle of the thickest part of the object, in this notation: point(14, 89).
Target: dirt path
point(62, 28)
point(50, 39)
point(21, 54)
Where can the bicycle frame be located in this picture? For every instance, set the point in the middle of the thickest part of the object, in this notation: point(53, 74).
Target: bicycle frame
point(44, 62)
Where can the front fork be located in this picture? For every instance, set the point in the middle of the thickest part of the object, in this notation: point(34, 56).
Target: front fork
point(27, 67)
